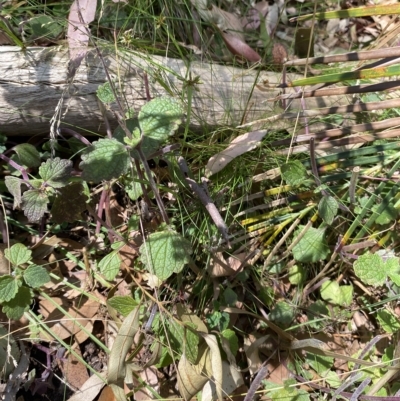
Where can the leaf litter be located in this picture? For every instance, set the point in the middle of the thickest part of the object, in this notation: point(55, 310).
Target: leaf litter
point(202, 366)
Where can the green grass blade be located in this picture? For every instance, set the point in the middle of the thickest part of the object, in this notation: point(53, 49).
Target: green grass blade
point(371, 73)
point(352, 12)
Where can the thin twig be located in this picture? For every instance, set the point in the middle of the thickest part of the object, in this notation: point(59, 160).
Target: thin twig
point(205, 200)
point(353, 56)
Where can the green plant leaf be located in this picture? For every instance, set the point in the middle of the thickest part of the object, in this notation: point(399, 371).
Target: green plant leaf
point(312, 247)
point(371, 269)
point(15, 308)
point(69, 203)
point(332, 292)
point(297, 275)
point(315, 312)
point(327, 208)
point(123, 304)
point(105, 93)
point(230, 297)
point(231, 336)
point(134, 190)
point(34, 204)
point(294, 173)
point(56, 172)
point(27, 155)
point(104, 160)
point(18, 254)
point(159, 118)
point(389, 322)
point(36, 276)
point(43, 26)
point(387, 215)
point(8, 288)
point(165, 253)
point(282, 314)
point(13, 185)
point(321, 364)
point(109, 265)
point(218, 320)
point(290, 394)
point(333, 379)
point(183, 341)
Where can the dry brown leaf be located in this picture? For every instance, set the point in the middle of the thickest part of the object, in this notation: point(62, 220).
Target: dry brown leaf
point(221, 267)
point(148, 376)
point(82, 336)
point(44, 248)
point(63, 326)
point(232, 379)
point(117, 360)
point(191, 378)
point(251, 348)
point(90, 389)
point(242, 144)
point(5, 267)
point(81, 14)
point(239, 47)
point(74, 371)
point(107, 394)
point(216, 363)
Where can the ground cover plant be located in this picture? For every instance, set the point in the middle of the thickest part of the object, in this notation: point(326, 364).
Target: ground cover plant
point(168, 258)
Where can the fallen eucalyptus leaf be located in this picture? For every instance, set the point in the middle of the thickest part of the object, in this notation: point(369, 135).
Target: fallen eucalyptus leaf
point(242, 144)
point(118, 354)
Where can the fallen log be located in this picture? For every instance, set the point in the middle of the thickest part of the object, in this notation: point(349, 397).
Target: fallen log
point(33, 82)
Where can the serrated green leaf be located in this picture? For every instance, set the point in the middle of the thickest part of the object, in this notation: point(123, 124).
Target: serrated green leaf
point(109, 265)
point(370, 269)
point(34, 204)
point(346, 294)
point(218, 320)
point(387, 215)
point(8, 288)
point(69, 204)
point(282, 314)
point(333, 379)
point(297, 275)
point(43, 26)
point(13, 185)
point(233, 341)
point(134, 190)
point(389, 322)
point(312, 247)
point(104, 160)
point(27, 154)
point(36, 276)
point(159, 118)
point(165, 253)
point(15, 308)
point(294, 173)
point(316, 314)
point(230, 297)
point(105, 93)
point(395, 278)
point(123, 305)
point(332, 292)
point(290, 394)
point(327, 209)
point(321, 364)
point(56, 172)
point(18, 254)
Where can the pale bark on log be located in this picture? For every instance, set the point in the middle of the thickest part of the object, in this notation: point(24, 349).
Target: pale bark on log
point(32, 83)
